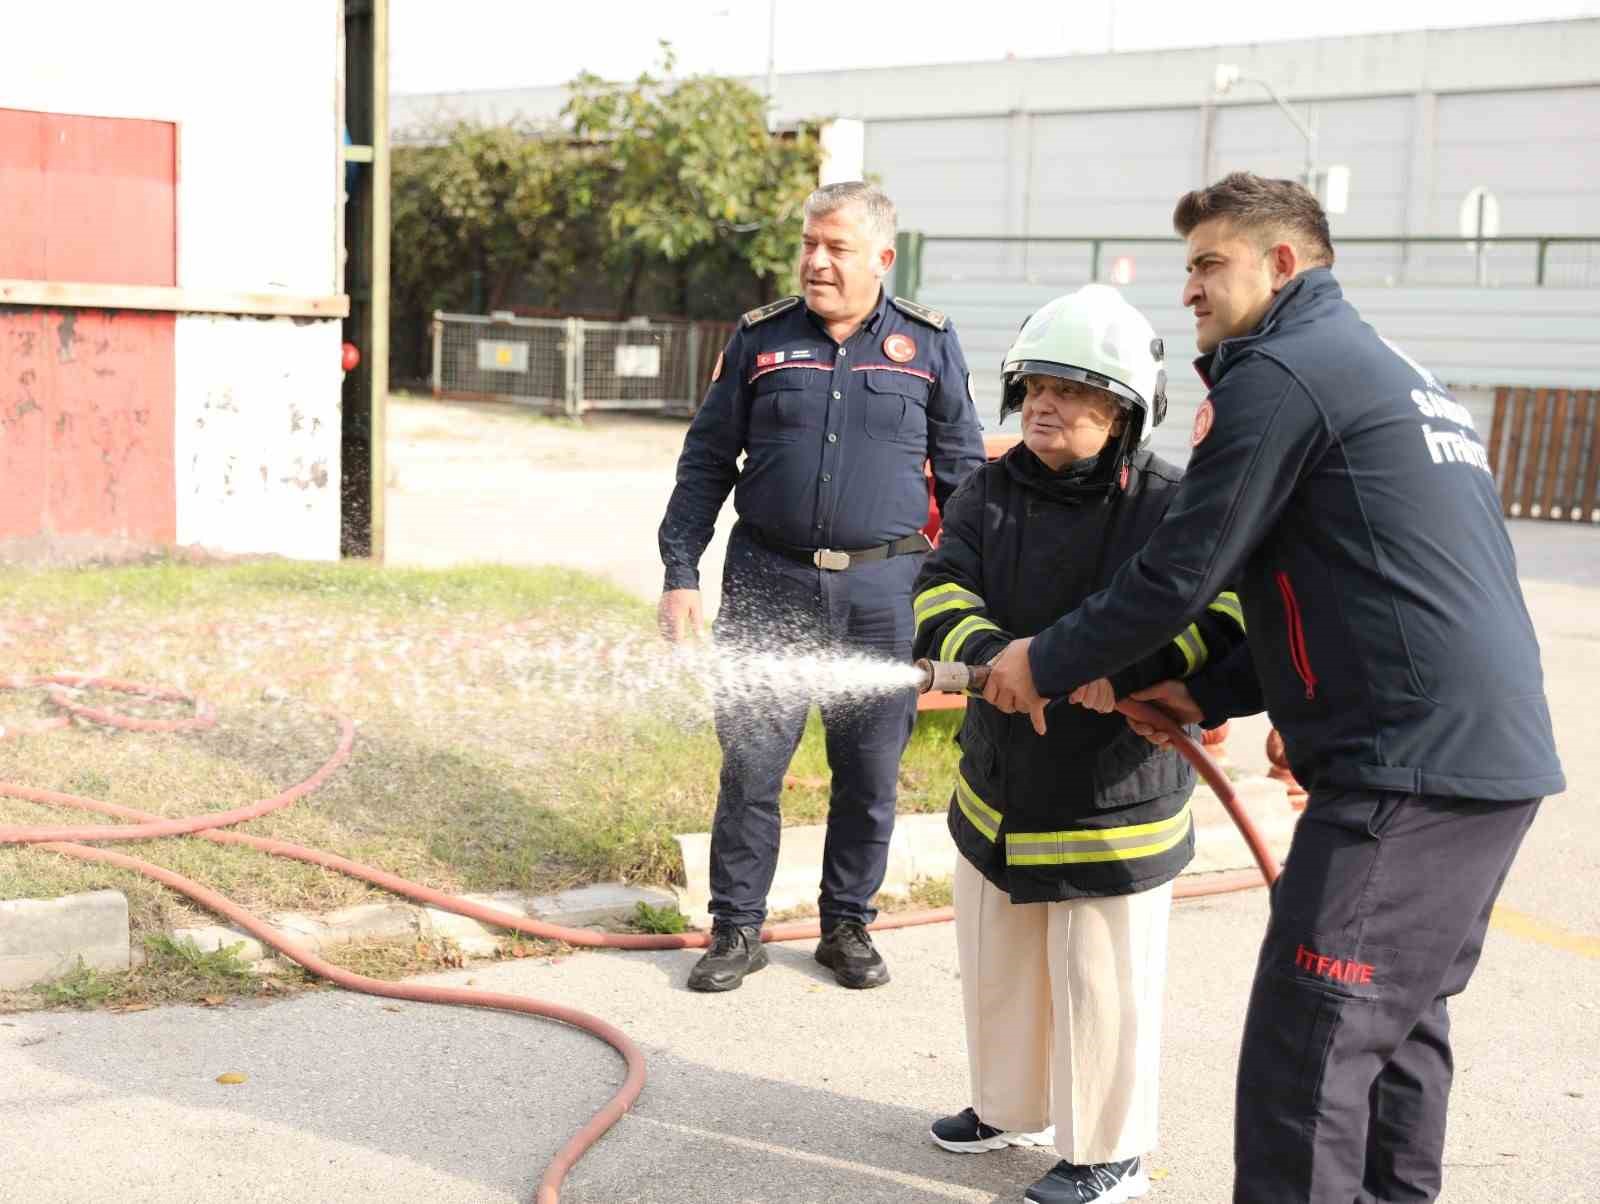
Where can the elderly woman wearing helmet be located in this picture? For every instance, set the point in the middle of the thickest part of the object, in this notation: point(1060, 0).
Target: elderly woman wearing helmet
point(1069, 837)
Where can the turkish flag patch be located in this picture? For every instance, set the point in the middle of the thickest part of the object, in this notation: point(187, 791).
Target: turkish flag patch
point(1202, 423)
point(901, 348)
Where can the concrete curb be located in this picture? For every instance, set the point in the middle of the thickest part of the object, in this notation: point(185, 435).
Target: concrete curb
point(42, 939)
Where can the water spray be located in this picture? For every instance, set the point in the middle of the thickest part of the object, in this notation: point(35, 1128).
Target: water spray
point(924, 675)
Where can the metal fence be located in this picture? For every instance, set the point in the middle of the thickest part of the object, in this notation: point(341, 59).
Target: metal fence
point(575, 365)
point(1537, 262)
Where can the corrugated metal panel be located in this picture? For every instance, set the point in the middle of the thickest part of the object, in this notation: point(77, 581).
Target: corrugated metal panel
point(1472, 339)
point(1371, 137)
point(1111, 173)
point(945, 176)
point(1538, 152)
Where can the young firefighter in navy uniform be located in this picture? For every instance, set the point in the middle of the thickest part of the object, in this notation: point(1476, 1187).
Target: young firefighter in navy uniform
point(835, 400)
point(1069, 838)
point(1348, 496)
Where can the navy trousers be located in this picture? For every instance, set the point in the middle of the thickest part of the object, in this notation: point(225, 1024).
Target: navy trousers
point(1345, 1070)
point(773, 604)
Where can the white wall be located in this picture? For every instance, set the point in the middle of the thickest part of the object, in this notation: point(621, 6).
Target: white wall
point(254, 92)
point(257, 435)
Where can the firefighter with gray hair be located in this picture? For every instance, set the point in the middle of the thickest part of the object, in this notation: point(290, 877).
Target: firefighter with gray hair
point(822, 411)
point(1070, 827)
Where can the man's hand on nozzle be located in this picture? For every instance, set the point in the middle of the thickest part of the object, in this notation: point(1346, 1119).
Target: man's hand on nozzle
point(1010, 686)
point(678, 615)
point(1174, 698)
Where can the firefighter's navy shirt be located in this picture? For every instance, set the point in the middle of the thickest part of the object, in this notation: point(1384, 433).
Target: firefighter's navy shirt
point(834, 436)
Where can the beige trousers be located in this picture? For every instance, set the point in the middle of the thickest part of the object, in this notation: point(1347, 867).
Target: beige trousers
point(1063, 1006)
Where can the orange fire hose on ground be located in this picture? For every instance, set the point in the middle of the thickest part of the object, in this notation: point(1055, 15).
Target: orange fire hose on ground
point(69, 842)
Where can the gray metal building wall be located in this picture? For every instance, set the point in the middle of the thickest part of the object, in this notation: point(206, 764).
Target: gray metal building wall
point(1471, 339)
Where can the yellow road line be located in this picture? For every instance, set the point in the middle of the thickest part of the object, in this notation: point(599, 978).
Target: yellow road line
point(1530, 929)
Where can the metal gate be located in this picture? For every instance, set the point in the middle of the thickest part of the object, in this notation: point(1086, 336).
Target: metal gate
point(575, 365)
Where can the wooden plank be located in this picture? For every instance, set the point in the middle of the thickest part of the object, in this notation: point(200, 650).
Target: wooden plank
point(1559, 446)
point(1589, 500)
point(1535, 450)
point(1568, 503)
point(87, 295)
point(1519, 417)
point(1497, 430)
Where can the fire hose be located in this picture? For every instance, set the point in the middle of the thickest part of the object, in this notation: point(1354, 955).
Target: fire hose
point(71, 842)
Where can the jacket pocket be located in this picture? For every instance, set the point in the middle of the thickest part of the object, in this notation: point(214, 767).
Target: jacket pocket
point(783, 403)
point(897, 406)
point(1298, 656)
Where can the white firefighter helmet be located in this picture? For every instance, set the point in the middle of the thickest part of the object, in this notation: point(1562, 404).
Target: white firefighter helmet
point(1094, 336)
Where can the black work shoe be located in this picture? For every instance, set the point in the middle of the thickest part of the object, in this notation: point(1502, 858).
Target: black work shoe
point(1100, 1183)
point(733, 953)
point(848, 952)
point(964, 1133)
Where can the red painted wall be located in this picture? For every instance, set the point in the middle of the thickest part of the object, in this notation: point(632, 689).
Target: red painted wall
point(86, 404)
point(87, 396)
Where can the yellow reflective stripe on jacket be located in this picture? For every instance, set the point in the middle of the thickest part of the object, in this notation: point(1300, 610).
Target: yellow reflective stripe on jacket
point(982, 816)
point(1227, 603)
point(951, 648)
point(1097, 844)
point(1193, 647)
point(942, 598)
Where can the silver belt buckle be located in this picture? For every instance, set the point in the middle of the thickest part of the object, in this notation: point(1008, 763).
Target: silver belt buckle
point(827, 558)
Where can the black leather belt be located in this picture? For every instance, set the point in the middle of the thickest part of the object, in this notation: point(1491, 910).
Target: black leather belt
point(836, 560)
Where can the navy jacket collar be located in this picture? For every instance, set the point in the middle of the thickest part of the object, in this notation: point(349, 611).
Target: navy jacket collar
point(1295, 302)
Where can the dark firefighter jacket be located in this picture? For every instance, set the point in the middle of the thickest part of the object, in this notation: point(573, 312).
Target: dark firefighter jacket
point(1089, 808)
point(1346, 493)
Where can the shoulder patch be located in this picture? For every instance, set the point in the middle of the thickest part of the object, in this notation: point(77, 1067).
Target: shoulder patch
point(762, 313)
point(921, 313)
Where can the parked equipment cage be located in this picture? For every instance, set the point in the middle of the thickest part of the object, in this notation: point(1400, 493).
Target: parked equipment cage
point(574, 365)
point(1544, 447)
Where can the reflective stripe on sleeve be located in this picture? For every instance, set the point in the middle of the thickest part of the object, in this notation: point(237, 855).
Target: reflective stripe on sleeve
point(943, 598)
point(1227, 603)
point(951, 648)
point(1096, 844)
point(1194, 650)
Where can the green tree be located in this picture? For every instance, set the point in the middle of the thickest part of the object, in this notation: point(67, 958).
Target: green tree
point(697, 180)
point(500, 204)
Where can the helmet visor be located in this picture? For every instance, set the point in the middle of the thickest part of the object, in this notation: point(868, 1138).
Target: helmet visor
point(1015, 370)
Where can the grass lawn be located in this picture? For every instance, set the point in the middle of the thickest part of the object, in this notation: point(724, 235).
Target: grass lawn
point(506, 736)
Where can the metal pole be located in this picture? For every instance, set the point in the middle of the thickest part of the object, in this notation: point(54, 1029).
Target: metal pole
point(378, 307)
point(438, 353)
point(1306, 131)
point(692, 375)
point(772, 58)
point(1483, 250)
point(1094, 261)
point(1538, 273)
